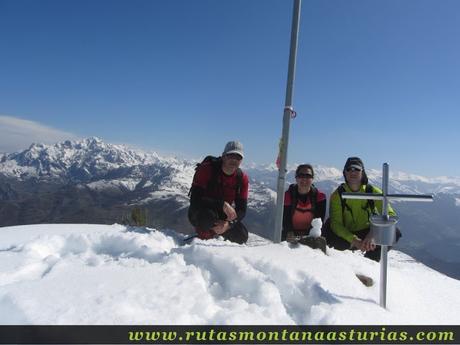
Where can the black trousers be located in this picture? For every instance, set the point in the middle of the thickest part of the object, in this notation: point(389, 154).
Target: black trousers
point(205, 219)
point(339, 243)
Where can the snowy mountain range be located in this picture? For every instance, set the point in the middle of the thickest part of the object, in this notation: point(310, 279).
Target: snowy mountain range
point(90, 181)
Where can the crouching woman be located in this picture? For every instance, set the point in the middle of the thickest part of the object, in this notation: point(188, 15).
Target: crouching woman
point(302, 203)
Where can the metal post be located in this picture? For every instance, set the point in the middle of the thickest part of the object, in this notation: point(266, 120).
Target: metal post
point(286, 122)
point(383, 276)
point(385, 178)
point(384, 249)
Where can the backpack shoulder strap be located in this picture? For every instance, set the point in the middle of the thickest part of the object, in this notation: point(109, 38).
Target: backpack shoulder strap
point(293, 193)
point(239, 181)
point(341, 190)
point(370, 203)
point(314, 197)
point(215, 181)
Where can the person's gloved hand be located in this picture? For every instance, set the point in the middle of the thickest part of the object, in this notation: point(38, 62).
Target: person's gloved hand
point(368, 244)
point(365, 245)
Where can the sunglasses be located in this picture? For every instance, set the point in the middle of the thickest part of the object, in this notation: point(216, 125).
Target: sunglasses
point(234, 156)
point(302, 175)
point(353, 169)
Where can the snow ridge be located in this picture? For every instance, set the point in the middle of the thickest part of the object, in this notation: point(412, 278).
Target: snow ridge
point(100, 274)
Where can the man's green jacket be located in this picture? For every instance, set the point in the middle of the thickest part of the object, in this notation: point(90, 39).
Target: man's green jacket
point(355, 217)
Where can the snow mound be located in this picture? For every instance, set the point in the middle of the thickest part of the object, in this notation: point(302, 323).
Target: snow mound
point(100, 274)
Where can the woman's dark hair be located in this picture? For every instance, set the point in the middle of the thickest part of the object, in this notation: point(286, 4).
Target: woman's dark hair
point(304, 166)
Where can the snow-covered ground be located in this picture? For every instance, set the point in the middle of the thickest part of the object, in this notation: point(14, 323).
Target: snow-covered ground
point(100, 274)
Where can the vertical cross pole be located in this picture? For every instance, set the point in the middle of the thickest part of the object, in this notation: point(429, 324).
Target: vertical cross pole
point(383, 227)
point(383, 248)
point(288, 110)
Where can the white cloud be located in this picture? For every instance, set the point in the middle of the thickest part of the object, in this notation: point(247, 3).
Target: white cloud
point(18, 134)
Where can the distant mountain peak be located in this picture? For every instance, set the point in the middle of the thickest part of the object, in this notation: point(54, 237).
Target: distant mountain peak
point(92, 155)
point(91, 159)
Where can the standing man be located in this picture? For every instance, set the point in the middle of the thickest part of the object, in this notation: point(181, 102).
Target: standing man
point(219, 196)
point(349, 225)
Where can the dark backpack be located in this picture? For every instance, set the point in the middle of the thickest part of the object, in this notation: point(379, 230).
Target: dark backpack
point(370, 205)
point(215, 182)
point(294, 198)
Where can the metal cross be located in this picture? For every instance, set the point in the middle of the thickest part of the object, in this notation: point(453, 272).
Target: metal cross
point(383, 227)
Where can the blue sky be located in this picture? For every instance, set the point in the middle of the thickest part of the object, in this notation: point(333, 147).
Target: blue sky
point(378, 79)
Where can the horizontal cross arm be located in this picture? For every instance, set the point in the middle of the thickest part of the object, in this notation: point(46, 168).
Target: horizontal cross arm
point(364, 196)
point(403, 197)
point(411, 197)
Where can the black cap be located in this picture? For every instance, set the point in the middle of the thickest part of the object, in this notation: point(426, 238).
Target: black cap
point(353, 162)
